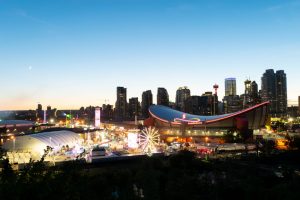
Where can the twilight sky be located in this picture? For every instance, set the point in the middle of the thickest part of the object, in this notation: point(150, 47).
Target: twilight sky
point(72, 53)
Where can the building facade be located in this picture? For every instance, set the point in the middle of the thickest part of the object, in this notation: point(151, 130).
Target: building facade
point(182, 94)
point(107, 112)
point(268, 89)
point(232, 104)
point(162, 97)
point(121, 104)
point(251, 96)
point(281, 93)
point(230, 87)
point(176, 123)
point(254, 93)
point(147, 101)
point(134, 108)
point(200, 105)
point(274, 90)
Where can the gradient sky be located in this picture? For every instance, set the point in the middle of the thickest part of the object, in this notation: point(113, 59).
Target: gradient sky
point(72, 53)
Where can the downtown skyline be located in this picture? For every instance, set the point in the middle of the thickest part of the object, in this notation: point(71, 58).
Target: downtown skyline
point(78, 55)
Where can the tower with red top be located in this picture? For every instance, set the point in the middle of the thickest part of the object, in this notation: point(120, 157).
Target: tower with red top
point(216, 87)
point(215, 104)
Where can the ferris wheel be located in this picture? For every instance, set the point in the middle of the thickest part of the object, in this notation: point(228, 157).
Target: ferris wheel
point(149, 140)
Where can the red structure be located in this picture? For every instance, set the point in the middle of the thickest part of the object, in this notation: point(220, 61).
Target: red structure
point(216, 87)
point(252, 118)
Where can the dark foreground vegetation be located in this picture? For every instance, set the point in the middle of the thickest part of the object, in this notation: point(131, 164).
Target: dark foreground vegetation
point(180, 176)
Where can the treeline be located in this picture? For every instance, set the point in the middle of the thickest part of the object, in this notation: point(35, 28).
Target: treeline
point(181, 176)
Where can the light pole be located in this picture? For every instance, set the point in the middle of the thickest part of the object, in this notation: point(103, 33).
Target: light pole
point(14, 143)
point(66, 119)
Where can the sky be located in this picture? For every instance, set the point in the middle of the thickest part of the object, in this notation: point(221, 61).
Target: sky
point(73, 53)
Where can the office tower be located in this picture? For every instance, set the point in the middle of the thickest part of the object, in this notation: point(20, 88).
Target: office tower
point(162, 97)
point(193, 104)
point(49, 112)
point(182, 95)
point(133, 108)
point(230, 86)
point(254, 90)
point(232, 103)
point(121, 104)
point(281, 93)
point(107, 112)
point(292, 111)
point(274, 89)
point(201, 105)
point(247, 101)
point(39, 112)
point(268, 90)
point(147, 101)
point(255, 94)
point(247, 87)
point(208, 101)
point(40, 107)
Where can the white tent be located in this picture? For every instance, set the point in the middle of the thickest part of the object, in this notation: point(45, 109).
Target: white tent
point(37, 143)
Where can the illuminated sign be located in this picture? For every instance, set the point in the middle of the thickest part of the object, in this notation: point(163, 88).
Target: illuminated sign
point(132, 139)
point(97, 117)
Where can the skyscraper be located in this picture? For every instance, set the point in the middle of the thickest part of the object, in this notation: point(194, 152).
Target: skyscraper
point(133, 108)
point(255, 96)
point(247, 94)
point(39, 107)
point(182, 94)
point(268, 89)
point(202, 105)
point(162, 97)
point(121, 104)
point(107, 112)
point(254, 90)
point(147, 101)
point(232, 103)
point(230, 86)
point(192, 105)
point(274, 89)
point(39, 111)
point(281, 93)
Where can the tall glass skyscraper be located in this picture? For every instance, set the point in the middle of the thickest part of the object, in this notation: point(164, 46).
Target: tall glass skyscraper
point(230, 87)
point(133, 108)
point(121, 104)
point(274, 89)
point(268, 89)
point(162, 97)
point(281, 93)
point(182, 94)
point(147, 101)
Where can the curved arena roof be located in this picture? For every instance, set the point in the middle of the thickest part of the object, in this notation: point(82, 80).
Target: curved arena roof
point(38, 142)
point(174, 117)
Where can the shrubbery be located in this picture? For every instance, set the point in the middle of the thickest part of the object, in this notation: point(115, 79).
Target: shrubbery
point(180, 176)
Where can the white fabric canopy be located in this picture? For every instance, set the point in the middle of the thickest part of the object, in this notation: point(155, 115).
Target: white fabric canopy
point(37, 143)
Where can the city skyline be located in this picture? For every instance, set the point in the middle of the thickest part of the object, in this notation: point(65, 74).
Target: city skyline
point(77, 56)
